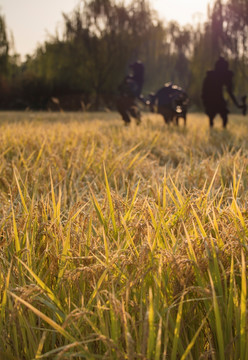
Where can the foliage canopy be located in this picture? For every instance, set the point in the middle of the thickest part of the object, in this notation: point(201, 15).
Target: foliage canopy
point(101, 37)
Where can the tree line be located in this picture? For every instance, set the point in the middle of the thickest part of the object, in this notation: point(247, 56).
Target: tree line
point(82, 68)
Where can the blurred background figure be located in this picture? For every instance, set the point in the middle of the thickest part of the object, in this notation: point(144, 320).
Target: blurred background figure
point(129, 92)
point(171, 102)
point(212, 92)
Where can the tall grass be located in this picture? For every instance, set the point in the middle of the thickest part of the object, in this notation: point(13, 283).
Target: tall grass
point(122, 243)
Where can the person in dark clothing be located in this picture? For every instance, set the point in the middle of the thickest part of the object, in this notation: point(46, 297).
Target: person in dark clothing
point(212, 92)
point(130, 91)
point(171, 102)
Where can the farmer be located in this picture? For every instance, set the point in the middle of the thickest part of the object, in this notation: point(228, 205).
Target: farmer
point(171, 102)
point(212, 92)
point(130, 91)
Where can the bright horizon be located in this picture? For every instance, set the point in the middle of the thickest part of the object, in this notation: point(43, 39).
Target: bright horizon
point(31, 21)
point(183, 11)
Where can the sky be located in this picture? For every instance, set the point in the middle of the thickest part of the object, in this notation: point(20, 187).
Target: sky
point(31, 21)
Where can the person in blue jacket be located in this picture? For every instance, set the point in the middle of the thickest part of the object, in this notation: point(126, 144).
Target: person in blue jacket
point(129, 92)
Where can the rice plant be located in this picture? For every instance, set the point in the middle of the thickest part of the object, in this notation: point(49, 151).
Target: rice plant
point(122, 243)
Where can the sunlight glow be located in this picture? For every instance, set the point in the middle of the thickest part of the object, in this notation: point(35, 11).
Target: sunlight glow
point(183, 11)
point(32, 21)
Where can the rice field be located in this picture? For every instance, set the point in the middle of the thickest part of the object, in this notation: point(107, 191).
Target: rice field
point(122, 242)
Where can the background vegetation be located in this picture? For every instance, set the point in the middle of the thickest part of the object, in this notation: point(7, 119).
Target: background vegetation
point(101, 37)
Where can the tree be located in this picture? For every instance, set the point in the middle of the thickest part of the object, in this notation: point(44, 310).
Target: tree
point(4, 47)
point(229, 29)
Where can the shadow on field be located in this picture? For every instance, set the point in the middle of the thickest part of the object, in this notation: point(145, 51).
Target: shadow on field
point(11, 117)
point(156, 122)
point(222, 139)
